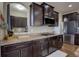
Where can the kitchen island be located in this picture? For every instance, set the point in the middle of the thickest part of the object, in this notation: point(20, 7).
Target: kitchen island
point(31, 45)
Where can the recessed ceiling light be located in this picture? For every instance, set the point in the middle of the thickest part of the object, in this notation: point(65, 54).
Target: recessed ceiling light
point(70, 5)
point(20, 7)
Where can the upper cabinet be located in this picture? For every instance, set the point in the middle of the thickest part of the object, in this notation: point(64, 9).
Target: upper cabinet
point(48, 10)
point(50, 16)
point(36, 14)
point(43, 14)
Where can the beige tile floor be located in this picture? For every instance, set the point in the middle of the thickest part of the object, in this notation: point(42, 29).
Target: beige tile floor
point(69, 49)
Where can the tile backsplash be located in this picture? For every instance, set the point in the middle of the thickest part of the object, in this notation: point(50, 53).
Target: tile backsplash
point(40, 29)
point(43, 29)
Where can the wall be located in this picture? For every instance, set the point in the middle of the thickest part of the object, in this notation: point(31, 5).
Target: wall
point(18, 14)
point(1, 30)
point(58, 29)
point(71, 11)
point(1, 7)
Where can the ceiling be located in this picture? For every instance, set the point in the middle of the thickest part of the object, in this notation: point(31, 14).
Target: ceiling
point(63, 6)
point(60, 6)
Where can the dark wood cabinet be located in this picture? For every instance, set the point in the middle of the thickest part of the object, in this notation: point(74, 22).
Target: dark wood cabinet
point(50, 16)
point(14, 53)
point(17, 50)
point(40, 47)
point(43, 14)
point(36, 14)
point(44, 47)
point(48, 10)
point(56, 17)
point(35, 48)
point(52, 44)
point(59, 41)
point(76, 41)
point(55, 43)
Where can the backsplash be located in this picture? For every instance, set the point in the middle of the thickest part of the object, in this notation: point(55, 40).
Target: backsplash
point(43, 29)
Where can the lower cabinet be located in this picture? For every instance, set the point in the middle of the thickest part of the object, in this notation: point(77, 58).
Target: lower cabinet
point(36, 51)
point(44, 47)
point(40, 47)
point(55, 43)
point(17, 50)
point(52, 44)
point(76, 41)
point(59, 41)
point(35, 48)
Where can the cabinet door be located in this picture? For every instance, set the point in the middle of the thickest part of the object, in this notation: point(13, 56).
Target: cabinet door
point(26, 52)
point(36, 48)
point(52, 44)
point(56, 14)
point(44, 47)
point(37, 14)
point(40, 48)
point(17, 50)
point(76, 39)
point(48, 10)
point(44, 44)
point(59, 41)
point(14, 53)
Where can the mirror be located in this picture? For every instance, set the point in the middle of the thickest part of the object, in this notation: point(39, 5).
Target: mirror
point(17, 17)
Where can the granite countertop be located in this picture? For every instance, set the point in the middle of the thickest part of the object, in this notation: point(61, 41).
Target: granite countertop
point(24, 38)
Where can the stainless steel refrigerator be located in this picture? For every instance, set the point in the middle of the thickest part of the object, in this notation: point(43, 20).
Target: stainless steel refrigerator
point(70, 27)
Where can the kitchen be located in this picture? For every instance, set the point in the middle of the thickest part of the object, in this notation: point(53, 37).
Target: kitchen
point(37, 29)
